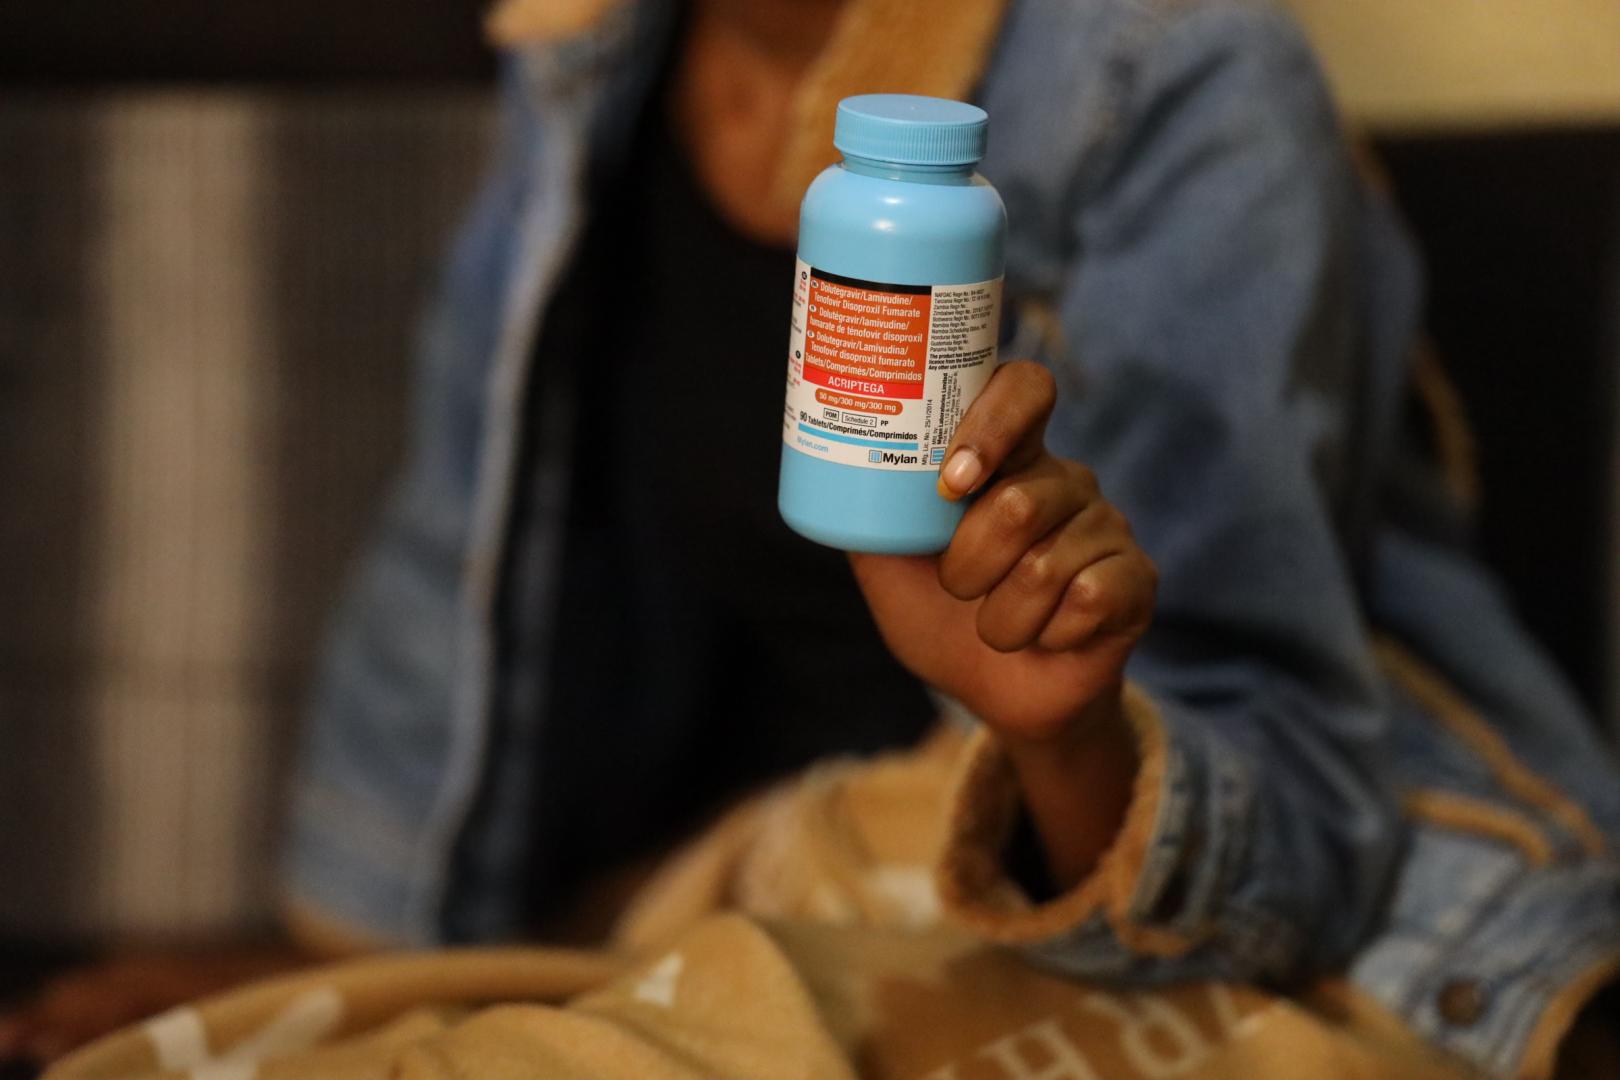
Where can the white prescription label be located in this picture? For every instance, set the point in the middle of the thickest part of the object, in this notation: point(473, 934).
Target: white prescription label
point(879, 375)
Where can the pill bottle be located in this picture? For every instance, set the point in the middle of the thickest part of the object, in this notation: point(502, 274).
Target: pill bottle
point(896, 309)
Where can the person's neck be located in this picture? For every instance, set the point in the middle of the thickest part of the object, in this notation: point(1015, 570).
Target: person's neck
point(732, 100)
point(787, 34)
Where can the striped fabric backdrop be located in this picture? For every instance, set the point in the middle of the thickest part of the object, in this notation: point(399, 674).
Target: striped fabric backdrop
point(206, 307)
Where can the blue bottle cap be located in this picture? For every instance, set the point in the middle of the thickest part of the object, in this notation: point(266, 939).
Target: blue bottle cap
point(907, 129)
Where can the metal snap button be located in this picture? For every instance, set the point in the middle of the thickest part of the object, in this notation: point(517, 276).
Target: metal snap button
point(1461, 1002)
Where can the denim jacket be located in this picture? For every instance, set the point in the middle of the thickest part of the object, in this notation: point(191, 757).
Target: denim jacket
point(1357, 760)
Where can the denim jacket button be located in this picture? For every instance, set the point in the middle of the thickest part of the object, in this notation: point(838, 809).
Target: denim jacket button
point(1462, 1002)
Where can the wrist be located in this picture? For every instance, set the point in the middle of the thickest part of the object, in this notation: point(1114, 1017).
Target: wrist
point(1100, 720)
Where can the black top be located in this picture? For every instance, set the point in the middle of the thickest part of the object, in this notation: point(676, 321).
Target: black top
point(701, 646)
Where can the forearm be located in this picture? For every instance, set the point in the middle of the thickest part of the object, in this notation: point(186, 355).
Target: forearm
point(1077, 784)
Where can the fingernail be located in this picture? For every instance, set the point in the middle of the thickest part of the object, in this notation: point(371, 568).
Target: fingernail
point(960, 473)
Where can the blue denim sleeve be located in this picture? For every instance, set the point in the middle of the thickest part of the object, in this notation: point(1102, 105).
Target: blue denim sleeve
point(1224, 353)
point(375, 748)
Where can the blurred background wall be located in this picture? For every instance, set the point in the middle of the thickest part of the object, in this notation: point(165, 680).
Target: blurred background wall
point(1500, 124)
point(218, 220)
point(217, 226)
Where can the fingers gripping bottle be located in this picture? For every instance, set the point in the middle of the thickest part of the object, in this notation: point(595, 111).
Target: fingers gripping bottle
point(896, 308)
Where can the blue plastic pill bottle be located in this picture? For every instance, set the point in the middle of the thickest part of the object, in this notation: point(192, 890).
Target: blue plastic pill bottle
point(896, 310)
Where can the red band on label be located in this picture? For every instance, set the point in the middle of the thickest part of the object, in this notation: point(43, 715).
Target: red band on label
point(866, 341)
point(857, 385)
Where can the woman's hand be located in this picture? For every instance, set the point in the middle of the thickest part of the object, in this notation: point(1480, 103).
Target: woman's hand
point(1029, 615)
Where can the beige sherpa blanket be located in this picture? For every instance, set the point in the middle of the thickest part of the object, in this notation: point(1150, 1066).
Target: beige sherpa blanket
point(799, 938)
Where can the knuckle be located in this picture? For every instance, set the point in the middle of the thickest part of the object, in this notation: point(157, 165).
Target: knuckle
point(1115, 521)
point(1040, 380)
point(1081, 479)
point(1035, 572)
point(1085, 595)
point(1016, 510)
